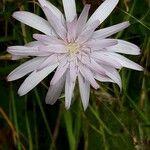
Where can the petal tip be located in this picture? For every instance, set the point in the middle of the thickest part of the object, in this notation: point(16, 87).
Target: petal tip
point(48, 101)
point(67, 107)
point(67, 104)
point(88, 5)
point(128, 23)
point(8, 49)
point(17, 14)
point(85, 107)
point(20, 93)
point(96, 87)
point(8, 79)
point(14, 14)
point(140, 68)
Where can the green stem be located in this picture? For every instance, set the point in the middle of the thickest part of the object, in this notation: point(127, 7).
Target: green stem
point(71, 137)
point(28, 129)
point(18, 144)
point(44, 117)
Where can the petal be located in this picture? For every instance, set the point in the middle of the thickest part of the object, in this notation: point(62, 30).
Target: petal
point(73, 71)
point(54, 48)
point(103, 11)
point(83, 18)
point(84, 87)
point(101, 69)
point(106, 32)
point(52, 59)
point(33, 21)
point(34, 44)
point(54, 91)
point(54, 10)
point(34, 78)
point(69, 87)
point(55, 23)
point(69, 9)
point(71, 30)
point(102, 78)
point(92, 64)
point(16, 57)
point(113, 74)
point(88, 75)
point(30, 44)
point(125, 48)
point(47, 39)
point(100, 44)
point(87, 32)
point(26, 51)
point(125, 62)
point(59, 72)
point(25, 68)
point(105, 59)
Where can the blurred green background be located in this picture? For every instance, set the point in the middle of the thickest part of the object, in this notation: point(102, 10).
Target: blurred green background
point(114, 120)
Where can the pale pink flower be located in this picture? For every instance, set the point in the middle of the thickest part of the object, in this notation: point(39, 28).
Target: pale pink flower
point(72, 47)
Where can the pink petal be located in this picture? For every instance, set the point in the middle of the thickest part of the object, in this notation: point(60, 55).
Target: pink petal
point(103, 11)
point(53, 48)
point(52, 59)
point(59, 72)
point(125, 62)
point(106, 32)
point(47, 39)
point(35, 78)
point(87, 32)
point(84, 87)
point(69, 87)
point(69, 9)
point(82, 19)
point(100, 44)
point(113, 74)
point(55, 23)
point(73, 71)
point(16, 57)
point(33, 21)
point(104, 70)
point(34, 44)
point(102, 58)
point(54, 10)
point(25, 68)
point(30, 44)
point(54, 91)
point(26, 51)
point(71, 30)
point(88, 75)
point(102, 78)
point(93, 65)
point(125, 48)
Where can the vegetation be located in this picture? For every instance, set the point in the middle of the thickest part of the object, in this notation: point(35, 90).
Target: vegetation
point(114, 120)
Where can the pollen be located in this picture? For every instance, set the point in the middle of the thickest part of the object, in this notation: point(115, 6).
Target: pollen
point(72, 48)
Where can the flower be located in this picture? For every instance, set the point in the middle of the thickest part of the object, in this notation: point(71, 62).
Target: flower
point(74, 48)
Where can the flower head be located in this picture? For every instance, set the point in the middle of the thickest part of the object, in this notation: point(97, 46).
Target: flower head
point(73, 47)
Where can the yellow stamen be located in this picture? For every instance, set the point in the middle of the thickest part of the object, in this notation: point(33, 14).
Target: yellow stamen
point(72, 48)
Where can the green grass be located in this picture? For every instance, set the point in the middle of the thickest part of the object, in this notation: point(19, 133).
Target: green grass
point(114, 120)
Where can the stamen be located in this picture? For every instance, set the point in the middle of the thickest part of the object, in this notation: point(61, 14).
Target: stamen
point(72, 48)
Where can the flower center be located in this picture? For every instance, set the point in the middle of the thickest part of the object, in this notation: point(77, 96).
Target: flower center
point(72, 48)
